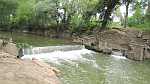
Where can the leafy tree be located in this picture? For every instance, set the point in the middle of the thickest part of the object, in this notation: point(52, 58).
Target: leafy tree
point(65, 15)
point(108, 7)
point(7, 9)
point(147, 16)
point(24, 12)
point(138, 20)
point(126, 3)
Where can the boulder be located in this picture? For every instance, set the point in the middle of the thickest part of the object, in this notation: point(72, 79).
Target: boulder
point(1, 42)
point(16, 71)
point(107, 51)
point(136, 52)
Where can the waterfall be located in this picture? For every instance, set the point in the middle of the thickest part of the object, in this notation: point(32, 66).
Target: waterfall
point(48, 49)
point(118, 54)
point(56, 54)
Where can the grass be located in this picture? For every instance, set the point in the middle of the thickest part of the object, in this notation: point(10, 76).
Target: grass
point(142, 27)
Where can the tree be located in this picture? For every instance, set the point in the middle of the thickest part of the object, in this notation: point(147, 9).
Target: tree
point(82, 9)
point(24, 12)
point(108, 8)
point(7, 9)
point(137, 20)
point(126, 3)
point(147, 16)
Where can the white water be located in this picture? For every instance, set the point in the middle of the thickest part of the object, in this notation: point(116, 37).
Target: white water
point(57, 56)
point(48, 49)
point(82, 66)
point(118, 57)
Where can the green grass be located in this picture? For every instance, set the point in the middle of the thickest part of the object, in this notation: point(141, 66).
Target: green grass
point(142, 27)
point(115, 24)
point(145, 27)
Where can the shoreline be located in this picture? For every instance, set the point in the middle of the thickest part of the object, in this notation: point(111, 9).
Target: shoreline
point(18, 71)
point(131, 43)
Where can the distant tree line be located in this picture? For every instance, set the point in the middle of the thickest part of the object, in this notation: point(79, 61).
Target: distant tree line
point(74, 16)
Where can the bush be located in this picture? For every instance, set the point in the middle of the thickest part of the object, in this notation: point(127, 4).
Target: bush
point(23, 45)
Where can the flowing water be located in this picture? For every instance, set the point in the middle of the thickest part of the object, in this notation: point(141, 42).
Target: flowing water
point(81, 66)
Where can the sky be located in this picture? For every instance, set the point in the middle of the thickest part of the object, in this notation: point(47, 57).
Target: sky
point(123, 10)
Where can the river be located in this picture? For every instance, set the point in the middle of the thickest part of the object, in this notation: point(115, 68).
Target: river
point(81, 66)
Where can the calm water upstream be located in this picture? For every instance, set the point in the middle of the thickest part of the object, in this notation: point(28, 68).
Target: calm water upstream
point(81, 66)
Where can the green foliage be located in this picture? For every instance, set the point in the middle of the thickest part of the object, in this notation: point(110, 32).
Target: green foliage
point(79, 25)
point(22, 45)
point(138, 20)
point(23, 12)
point(138, 13)
point(147, 16)
point(76, 23)
point(35, 13)
point(43, 14)
point(78, 16)
point(7, 8)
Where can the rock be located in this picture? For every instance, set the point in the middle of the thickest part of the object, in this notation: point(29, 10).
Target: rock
point(16, 71)
point(136, 52)
point(11, 49)
point(107, 51)
point(1, 42)
point(147, 52)
point(20, 53)
point(146, 35)
point(6, 55)
point(117, 52)
point(139, 35)
point(26, 72)
point(131, 41)
point(131, 55)
point(93, 48)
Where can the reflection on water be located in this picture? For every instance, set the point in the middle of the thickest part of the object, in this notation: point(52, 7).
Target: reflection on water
point(33, 40)
point(82, 66)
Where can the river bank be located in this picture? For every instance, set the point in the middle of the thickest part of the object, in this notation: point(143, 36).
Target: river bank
point(132, 43)
point(17, 71)
point(79, 65)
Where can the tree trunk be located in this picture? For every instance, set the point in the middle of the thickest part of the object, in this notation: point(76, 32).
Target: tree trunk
point(126, 15)
point(110, 5)
point(104, 23)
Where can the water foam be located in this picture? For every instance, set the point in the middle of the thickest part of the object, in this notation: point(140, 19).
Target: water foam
point(57, 56)
point(119, 57)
